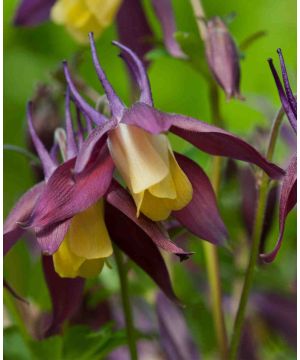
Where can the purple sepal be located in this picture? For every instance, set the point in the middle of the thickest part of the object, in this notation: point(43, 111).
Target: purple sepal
point(201, 216)
point(174, 335)
point(67, 194)
point(288, 199)
point(207, 138)
point(46, 160)
point(121, 200)
point(164, 13)
point(115, 103)
point(33, 12)
point(139, 72)
point(66, 295)
point(141, 249)
point(20, 213)
point(50, 237)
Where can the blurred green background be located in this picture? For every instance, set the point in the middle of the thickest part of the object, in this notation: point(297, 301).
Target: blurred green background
point(31, 54)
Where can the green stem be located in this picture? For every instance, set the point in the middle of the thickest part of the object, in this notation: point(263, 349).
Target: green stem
point(126, 304)
point(258, 225)
point(211, 251)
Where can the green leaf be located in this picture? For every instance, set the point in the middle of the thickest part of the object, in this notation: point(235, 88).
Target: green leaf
point(48, 349)
point(14, 345)
point(81, 343)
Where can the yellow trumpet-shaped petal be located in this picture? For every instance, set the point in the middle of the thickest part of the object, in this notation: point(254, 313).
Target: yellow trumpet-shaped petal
point(88, 236)
point(83, 16)
point(141, 158)
point(150, 170)
point(91, 268)
point(66, 264)
point(85, 246)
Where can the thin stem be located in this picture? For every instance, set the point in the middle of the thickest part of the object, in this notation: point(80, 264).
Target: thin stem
point(122, 271)
point(258, 225)
point(23, 152)
point(211, 251)
point(200, 17)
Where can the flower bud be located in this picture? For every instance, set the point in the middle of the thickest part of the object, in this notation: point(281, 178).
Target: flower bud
point(222, 57)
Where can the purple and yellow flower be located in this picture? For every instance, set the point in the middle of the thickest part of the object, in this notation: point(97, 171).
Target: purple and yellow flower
point(160, 181)
point(288, 193)
point(79, 233)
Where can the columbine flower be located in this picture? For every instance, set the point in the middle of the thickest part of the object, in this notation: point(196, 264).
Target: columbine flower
point(159, 180)
point(288, 194)
point(76, 216)
point(222, 57)
point(78, 16)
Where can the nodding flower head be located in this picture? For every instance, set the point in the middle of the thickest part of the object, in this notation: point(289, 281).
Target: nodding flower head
point(160, 181)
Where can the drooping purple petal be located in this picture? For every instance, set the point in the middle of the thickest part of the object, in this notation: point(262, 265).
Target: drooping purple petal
point(50, 237)
point(139, 72)
point(71, 143)
point(46, 160)
point(21, 211)
point(67, 194)
point(286, 82)
point(201, 216)
point(164, 13)
point(33, 12)
point(174, 334)
point(92, 143)
point(288, 199)
point(280, 314)
point(121, 200)
point(66, 295)
point(139, 247)
point(115, 103)
point(284, 101)
point(136, 34)
point(87, 109)
point(207, 138)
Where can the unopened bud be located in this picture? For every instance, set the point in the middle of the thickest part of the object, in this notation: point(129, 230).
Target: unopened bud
point(222, 57)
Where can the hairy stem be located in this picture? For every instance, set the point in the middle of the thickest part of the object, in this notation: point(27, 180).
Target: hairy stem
point(122, 271)
point(257, 230)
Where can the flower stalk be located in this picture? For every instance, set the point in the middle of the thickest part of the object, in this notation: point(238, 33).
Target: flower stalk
point(258, 226)
point(211, 251)
point(122, 272)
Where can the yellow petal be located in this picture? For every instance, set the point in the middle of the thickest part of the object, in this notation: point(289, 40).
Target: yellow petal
point(88, 236)
point(155, 208)
point(165, 188)
point(91, 268)
point(141, 158)
point(184, 189)
point(66, 264)
point(104, 10)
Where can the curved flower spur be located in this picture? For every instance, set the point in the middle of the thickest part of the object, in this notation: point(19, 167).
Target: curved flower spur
point(78, 233)
point(160, 182)
point(288, 193)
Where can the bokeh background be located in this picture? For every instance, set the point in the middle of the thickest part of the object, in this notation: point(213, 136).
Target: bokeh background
point(30, 55)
